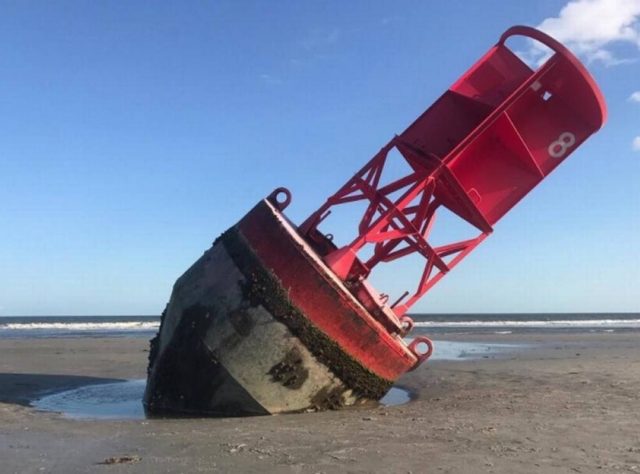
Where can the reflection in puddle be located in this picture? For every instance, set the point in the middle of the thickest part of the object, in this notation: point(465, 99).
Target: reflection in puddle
point(448, 350)
point(395, 396)
point(108, 401)
point(123, 400)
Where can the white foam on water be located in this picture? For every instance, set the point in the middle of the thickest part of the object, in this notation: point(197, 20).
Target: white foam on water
point(94, 326)
point(560, 323)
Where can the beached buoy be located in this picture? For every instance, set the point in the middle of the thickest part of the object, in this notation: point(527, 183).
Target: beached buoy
point(278, 318)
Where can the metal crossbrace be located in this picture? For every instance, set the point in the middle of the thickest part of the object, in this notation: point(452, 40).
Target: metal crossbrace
point(387, 224)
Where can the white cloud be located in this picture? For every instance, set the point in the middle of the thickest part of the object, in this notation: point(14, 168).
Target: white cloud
point(636, 143)
point(590, 27)
point(635, 97)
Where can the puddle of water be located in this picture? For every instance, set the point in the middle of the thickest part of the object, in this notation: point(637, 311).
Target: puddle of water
point(395, 396)
point(450, 350)
point(123, 400)
point(109, 401)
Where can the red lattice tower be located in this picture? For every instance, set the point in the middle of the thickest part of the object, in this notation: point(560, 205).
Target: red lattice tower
point(480, 148)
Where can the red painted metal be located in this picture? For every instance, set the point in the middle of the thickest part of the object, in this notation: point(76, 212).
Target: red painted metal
point(323, 299)
point(494, 135)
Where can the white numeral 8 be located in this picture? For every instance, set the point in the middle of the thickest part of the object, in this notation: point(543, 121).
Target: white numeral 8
point(558, 148)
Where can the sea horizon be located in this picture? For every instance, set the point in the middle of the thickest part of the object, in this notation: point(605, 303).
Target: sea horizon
point(55, 326)
point(413, 315)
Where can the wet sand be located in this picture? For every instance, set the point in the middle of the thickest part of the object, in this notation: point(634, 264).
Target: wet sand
point(570, 403)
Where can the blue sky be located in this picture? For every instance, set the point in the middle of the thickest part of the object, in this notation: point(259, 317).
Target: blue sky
point(133, 133)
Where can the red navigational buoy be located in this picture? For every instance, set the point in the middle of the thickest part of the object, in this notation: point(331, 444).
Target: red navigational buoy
point(277, 318)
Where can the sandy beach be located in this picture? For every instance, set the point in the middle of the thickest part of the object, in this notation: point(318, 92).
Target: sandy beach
point(565, 403)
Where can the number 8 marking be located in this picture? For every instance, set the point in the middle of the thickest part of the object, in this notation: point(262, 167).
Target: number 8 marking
point(558, 148)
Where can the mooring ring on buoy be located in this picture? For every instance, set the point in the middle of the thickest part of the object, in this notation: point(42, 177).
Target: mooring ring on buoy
point(280, 198)
point(413, 347)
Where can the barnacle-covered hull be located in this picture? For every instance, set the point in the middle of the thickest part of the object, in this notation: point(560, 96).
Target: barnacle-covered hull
point(259, 325)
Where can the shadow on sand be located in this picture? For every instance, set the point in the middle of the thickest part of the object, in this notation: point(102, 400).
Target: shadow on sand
point(22, 389)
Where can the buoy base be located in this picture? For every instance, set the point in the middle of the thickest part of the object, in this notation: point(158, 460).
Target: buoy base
point(258, 325)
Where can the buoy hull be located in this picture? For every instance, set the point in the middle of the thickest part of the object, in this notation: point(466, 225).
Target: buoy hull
point(259, 325)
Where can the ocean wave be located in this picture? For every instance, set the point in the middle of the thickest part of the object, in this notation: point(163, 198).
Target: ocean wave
point(93, 326)
point(558, 323)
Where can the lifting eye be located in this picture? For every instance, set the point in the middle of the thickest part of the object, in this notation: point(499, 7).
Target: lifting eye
point(280, 198)
point(422, 347)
